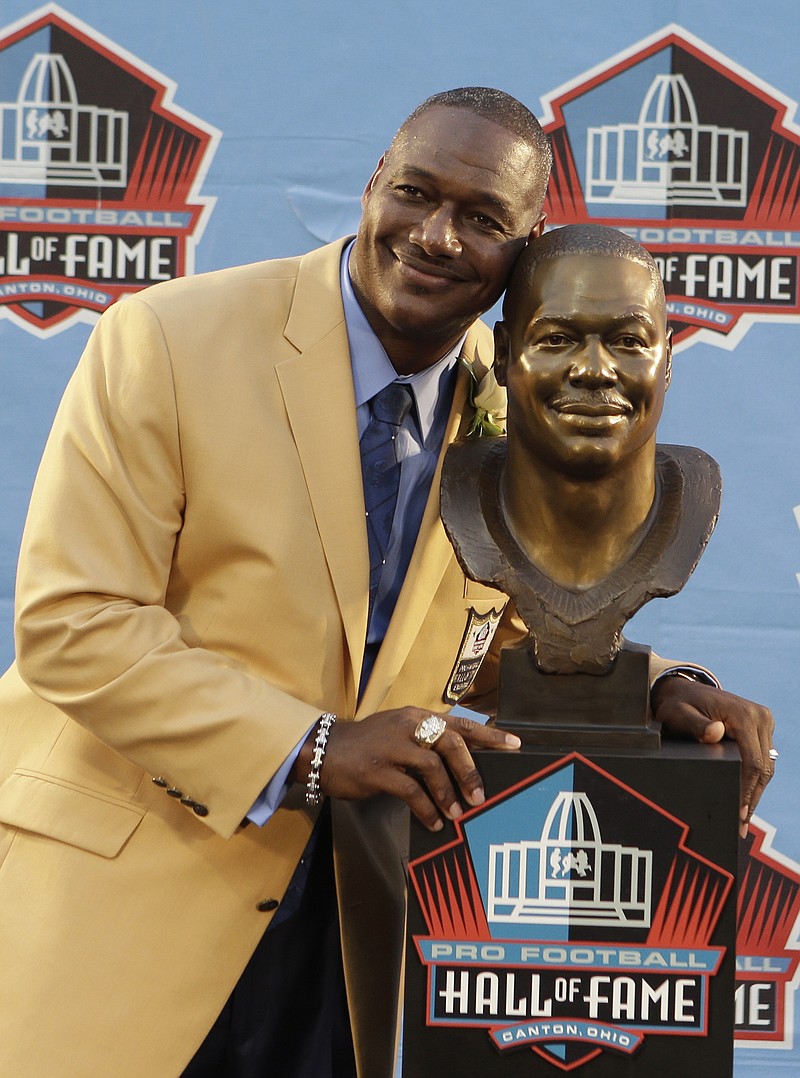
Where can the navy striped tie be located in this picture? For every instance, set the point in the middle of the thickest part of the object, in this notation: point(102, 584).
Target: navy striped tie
point(380, 472)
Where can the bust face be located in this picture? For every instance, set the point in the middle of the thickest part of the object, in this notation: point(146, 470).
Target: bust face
point(586, 358)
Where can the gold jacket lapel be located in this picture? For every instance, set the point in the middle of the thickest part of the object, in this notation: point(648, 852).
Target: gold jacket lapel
point(317, 388)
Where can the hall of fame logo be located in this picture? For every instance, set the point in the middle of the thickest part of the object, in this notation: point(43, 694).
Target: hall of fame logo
point(569, 917)
point(99, 174)
point(767, 942)
point(698, 160)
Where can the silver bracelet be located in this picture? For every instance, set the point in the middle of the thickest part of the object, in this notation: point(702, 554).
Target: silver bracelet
point(313, 793)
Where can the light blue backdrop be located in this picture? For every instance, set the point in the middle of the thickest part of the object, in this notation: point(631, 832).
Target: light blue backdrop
point(306, 96)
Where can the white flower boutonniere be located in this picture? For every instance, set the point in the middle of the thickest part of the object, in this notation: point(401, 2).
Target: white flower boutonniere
point(488, 399)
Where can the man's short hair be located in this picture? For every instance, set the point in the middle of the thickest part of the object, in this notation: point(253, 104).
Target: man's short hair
point(581, 239)
point(500, 108)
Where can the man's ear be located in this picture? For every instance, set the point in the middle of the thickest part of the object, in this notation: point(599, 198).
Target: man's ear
point(668, 374)
point(538, 228)
point(373, 178)
point(502, 346)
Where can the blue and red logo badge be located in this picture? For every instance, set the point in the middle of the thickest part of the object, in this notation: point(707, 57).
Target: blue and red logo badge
point(99, 174)
point(569, 917)
point(697, 159)
point(767, 942)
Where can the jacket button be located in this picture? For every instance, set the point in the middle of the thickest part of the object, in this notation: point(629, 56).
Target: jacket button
point(174, 792)
point(267, 905)
point(158, 781)
point(200, 810)
point(188, 801)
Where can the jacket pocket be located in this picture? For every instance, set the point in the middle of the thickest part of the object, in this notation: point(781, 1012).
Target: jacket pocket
point(89, 819)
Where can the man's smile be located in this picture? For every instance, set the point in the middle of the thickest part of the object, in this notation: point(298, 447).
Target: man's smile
point(417, 266)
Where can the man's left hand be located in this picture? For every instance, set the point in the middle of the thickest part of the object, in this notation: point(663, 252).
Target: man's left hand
point(708, 714)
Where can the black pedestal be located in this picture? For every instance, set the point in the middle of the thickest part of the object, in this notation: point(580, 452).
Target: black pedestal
point(579, 710)
point(582, 920)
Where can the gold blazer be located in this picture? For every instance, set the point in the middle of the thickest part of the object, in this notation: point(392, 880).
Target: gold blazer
point(192, 594)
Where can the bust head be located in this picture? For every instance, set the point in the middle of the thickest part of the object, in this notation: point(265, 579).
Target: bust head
point(575, 514)
point(584, 350)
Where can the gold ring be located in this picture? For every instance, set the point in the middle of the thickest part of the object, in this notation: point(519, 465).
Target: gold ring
point(429, 731)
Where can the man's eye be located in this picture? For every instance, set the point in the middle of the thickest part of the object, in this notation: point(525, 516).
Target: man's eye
point(630, 341)
point(556, 340)
point(408, 189)
point(486, 222)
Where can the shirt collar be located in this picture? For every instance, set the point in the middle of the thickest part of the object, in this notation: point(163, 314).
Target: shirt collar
point(372, 368)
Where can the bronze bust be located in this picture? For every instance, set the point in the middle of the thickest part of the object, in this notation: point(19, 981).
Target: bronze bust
point(577, 514)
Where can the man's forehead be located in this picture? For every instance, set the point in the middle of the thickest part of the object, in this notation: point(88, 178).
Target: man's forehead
point(463, 123)
point(440, 139)
point(575, 280)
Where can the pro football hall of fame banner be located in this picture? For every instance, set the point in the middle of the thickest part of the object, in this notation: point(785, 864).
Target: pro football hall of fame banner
point(140, 142)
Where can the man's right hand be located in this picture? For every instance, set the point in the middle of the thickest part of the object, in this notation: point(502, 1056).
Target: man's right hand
point(379, 754)
point(708, 714)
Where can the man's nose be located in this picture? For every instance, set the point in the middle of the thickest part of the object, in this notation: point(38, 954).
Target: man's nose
point(593, 366)
point(436, 233)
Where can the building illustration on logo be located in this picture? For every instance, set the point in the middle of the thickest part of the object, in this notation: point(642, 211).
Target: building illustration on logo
point(698, 160)
point(48, 128)
point(100, 174)
point(668, 156)
point(568, 876)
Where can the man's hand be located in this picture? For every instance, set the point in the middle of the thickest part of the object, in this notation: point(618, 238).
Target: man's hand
point(708, 714)
point(379, 755)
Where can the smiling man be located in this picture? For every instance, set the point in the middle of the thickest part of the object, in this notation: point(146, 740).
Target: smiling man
point(223, 620)
point(445, 215)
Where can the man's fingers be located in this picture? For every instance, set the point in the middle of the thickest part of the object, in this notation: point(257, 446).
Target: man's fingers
point(447, 768)
point(398, 752)
point(448, 763)
point(684, 720)
point(757, 769)
point(443, 790)
point(709, 731)
point(453, 747)
point(480, 736)
point(765, 724)
point(707, 714)
point(451, 756)
point(751, 726)
point(409, 789)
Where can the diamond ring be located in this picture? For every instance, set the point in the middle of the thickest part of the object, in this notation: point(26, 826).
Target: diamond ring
point(429, 731)
point(773, 754)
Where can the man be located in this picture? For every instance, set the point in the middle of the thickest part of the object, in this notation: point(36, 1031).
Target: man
point(194, 594)
point(576, 515)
